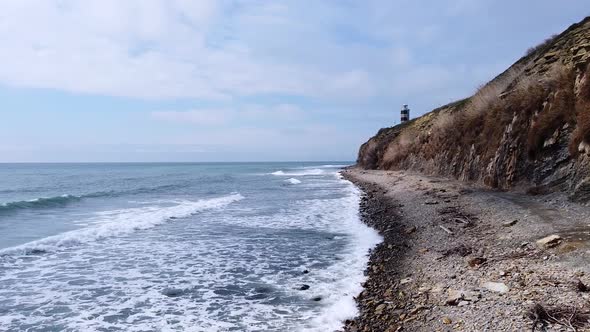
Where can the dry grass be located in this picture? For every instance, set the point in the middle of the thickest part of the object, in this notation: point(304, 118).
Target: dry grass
point(559, 108)
point(489, 95)
point(582, 132)
point(400, 148)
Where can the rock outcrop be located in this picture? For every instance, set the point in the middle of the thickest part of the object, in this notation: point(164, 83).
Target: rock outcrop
point(527, 128)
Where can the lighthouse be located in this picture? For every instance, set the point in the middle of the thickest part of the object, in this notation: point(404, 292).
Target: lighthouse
point(405, 114)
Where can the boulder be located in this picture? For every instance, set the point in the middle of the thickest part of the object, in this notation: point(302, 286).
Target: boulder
point(549, 241)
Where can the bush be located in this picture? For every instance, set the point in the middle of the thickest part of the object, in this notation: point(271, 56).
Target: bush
point(542, 45)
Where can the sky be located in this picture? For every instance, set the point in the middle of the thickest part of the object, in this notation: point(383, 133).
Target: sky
point(244, 80)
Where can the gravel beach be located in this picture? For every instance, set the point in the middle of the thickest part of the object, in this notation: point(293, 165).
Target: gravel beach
point(456, 257)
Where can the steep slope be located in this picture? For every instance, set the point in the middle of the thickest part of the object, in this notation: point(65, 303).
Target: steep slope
point(527, 128)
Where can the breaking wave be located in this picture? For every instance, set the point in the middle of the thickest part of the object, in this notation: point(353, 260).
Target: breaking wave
point(121, 222)
point(63, 200)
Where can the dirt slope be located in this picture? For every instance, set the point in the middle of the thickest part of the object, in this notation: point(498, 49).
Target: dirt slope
point(528, 129)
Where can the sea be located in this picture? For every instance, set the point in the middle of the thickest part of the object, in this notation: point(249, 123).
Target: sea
point(179, 247)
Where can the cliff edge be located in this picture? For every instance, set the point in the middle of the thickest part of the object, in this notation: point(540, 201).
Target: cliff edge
point(528, 128)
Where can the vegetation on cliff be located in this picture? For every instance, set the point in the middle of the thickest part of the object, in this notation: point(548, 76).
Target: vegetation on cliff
point(529, 127)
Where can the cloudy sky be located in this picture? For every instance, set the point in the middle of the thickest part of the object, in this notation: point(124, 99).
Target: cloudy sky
point(244, 80)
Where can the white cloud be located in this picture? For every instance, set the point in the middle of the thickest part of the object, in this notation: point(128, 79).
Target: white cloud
point(277, 114)
point(198, 117)
point(154, 49)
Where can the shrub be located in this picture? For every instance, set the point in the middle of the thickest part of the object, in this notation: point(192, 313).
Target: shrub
point(544, 44)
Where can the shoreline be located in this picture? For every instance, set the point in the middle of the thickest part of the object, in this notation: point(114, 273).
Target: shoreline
point(461, 258)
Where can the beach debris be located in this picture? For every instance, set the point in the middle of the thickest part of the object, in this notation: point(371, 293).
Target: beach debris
point(476, 261)
point(569, 317)
point(581, 287)
point(431, 202)
point(510, 223)
point(446, 229)
point(549, 241)
point(461, 221)
point(498, 287)
point(410, 230)
point(405, 281)
point(447, 321)
point(460, 250)
point(304, 287)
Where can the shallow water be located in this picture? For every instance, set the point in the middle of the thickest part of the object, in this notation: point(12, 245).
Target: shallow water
point(179, 247)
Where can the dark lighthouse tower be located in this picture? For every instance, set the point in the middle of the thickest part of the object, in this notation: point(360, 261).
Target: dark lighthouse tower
point(405, 114)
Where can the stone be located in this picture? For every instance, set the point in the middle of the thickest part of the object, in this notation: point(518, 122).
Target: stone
point(498, 287)
point(172, 292)
point(405, 281)
point(471, 296)
point(549, 241)
point(304, 287)
point(389, 293)
point(463, 303)
point(317, 299)
point(305, 271)
point(380, 308)
point(410, 230)
point(454, 297)
point(424, 289)
point(447, 321)
point(510, 223)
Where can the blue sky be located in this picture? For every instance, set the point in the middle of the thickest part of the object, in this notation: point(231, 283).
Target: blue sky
point(244, 80)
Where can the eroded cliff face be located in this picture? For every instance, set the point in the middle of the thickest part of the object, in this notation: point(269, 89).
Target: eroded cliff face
point(528, 128)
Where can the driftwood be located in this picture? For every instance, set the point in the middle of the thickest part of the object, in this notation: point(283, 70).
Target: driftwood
point(570, 318)
point(445, 229)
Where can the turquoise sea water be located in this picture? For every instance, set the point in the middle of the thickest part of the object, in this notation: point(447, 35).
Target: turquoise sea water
point(179, 247)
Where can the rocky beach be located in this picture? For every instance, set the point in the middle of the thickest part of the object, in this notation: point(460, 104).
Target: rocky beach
point(460, 257)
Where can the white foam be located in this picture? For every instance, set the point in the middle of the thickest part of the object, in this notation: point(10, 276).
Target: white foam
point(293, 181)
point(343, 280)
point(306, 172)
point(121, 222)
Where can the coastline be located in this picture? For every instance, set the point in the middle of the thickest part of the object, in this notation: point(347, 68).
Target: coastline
point(460, 258)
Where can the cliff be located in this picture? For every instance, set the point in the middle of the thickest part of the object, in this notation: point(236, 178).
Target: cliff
point(528, 128)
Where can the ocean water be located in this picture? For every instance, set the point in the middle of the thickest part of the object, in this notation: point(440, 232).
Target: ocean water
point(179, 247)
